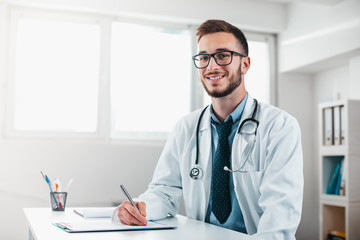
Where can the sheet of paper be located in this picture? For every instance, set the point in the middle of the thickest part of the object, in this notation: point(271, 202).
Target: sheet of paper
point(95, 212)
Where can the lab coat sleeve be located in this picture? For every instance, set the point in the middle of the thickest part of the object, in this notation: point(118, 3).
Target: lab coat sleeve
point(281, 188)
point(165, 190)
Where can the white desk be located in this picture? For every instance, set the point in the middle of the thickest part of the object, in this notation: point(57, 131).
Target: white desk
point(40, 228)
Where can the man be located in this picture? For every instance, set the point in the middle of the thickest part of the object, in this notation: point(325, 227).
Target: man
point(262, 193)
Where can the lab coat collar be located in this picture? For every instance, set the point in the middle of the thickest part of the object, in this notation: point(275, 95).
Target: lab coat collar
point(249, 107)
point(242, 143)
point(205, 121)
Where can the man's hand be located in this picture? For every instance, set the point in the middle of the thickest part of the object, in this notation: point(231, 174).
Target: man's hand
point(130, 216)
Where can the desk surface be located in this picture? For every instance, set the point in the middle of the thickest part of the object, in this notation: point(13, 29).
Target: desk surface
point(40, 228)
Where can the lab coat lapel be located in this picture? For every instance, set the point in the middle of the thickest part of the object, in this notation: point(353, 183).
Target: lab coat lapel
point(242, 143)
point(205, 160)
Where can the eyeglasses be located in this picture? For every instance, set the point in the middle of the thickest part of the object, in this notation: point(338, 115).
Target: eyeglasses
point(222, 58)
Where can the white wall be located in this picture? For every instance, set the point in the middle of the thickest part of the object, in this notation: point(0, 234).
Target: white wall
point(319, 53)
point(332, 84)
point(319, 36)
point(269, 17)
point(97, 167)
point(296, 97)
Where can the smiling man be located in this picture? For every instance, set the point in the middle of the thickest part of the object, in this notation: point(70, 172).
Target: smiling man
point(237, 163)
point(222, 71)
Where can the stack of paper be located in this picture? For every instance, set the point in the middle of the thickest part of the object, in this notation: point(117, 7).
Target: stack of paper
point(95, 212)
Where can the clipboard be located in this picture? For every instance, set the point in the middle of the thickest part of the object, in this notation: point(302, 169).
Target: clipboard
point(106, 225)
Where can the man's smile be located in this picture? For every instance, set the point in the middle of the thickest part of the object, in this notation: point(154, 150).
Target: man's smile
point(214, 78)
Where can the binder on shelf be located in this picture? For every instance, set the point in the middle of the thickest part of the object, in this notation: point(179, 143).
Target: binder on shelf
point(342, 181)
point(332, 237)
point(331, 189)
point(337, 125)
point(339, 178)
point(342, 125)
point(336, 235)
point(328, 126)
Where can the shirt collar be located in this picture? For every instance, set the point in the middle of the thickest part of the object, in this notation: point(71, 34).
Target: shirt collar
point(235, 115)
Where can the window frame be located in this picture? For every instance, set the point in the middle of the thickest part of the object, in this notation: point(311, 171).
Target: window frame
point(105, 128)
point(271, 40)
point(102, 21)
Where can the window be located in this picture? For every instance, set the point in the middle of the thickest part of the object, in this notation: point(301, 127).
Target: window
point(257, 79)
point(56, 76)
point(150, 77)
point(92, 75)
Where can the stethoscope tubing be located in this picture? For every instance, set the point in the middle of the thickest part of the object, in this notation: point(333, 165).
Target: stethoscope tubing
point(197, 169)
point(197, 135)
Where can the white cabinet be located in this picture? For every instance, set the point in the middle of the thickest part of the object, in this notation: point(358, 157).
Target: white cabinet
point(340, 145)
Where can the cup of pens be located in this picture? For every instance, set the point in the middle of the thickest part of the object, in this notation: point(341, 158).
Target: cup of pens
point(58, 200)
point(57, 197)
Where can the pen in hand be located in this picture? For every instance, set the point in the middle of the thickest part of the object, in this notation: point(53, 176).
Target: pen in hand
point(128, 197)
point(129, 217)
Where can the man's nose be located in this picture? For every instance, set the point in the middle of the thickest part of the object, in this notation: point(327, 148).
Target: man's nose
point(212, 64)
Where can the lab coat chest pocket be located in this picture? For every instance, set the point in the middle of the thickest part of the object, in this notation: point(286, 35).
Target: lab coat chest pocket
point(247, 186)
point(246, 154)
point(248, 161)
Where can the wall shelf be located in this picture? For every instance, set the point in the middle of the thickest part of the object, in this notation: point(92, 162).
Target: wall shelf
point(339, 206)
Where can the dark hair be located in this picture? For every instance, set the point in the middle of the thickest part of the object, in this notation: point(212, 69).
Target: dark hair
point(214, 26)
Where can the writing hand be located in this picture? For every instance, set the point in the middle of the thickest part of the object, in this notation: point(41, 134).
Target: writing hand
point(129, 215)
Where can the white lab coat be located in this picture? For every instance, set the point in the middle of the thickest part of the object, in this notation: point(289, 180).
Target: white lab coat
point(269, 195)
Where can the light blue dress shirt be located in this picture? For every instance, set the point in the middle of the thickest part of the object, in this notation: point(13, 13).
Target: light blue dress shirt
point(235, 220)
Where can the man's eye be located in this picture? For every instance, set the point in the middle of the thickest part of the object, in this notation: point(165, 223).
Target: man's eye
point(222, 55)
point(204, 58)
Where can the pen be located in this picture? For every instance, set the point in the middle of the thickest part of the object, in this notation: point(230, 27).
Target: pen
point(58, 185)
point(66, 188)
point(49, 183)
point(68, 185)
point(128, 196)
point(58, 189)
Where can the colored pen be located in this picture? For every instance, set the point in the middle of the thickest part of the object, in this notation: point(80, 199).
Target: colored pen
point(58, 189)
point(49, 183)
point(67, 188)
point(58, 185)
point(68, 185)
point(128, 196)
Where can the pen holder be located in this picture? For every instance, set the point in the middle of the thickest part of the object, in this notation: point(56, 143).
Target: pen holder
point(58, 200)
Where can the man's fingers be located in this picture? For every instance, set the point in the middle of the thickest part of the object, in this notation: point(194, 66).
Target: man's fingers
point(142, 208)
point(135, 216)
point(129, 215)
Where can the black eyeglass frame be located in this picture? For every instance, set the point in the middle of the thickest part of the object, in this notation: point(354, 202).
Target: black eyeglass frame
point(213, 56)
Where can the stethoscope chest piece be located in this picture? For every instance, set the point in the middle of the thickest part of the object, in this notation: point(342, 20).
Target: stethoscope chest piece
point(196, 172)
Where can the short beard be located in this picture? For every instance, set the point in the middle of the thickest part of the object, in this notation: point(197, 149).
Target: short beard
point(232, 86)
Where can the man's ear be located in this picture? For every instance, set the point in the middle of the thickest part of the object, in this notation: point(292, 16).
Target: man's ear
point(245, 65)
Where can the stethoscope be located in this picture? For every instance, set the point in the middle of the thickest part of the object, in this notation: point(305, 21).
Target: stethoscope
point(196, 172)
